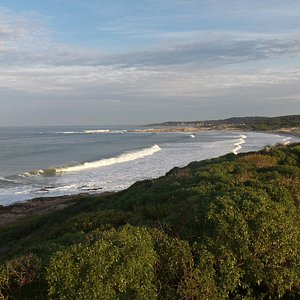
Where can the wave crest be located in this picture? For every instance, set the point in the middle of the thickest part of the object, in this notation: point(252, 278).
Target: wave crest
point(32, 173)
point(96, 131)
point(7, 179)
point(239, 143)
point(125, 157)
point(93, 131)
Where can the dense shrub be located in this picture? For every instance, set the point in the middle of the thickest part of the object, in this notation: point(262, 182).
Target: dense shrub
point(119, 264)
point(259, 160)
point(255, 243)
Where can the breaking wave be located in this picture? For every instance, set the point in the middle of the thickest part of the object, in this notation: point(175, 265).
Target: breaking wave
point(32, 173)
point(111, 161)
point(286, 141)
point(96, 131)
point(7, 179)
point(68, 132)
point(239, 143)
point(92, 131)
point(125, 157)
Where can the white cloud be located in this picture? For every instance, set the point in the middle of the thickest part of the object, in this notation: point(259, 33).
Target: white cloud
point(25, 41)
point(187, 67)
point(139, 82)
point(33, 63)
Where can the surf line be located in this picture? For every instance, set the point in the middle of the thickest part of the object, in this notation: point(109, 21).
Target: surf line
point(125, 157)
point(239, 143)
point(286, 141)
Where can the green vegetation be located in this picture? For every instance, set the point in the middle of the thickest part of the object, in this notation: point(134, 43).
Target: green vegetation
point(243, 123)
point(223, 228)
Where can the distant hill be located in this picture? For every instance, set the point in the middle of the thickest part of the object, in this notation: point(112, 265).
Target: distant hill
point(249, 123)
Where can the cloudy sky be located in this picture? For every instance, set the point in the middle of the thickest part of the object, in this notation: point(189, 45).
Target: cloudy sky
point(89, 62)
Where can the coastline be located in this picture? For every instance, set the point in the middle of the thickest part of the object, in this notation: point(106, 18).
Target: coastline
point(43, 205)
point(295, 131)
point(39, 206)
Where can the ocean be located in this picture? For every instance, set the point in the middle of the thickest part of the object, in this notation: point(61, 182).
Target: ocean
point(54, 161)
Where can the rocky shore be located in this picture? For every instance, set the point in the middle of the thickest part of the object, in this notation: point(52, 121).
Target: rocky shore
point(10, 214)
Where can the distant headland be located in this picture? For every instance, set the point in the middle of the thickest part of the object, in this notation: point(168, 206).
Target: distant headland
point(283, 124)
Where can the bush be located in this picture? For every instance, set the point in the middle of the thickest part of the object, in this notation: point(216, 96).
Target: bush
point(18, 275)
point(259, 160)
point(120, 264)
point(255, 243)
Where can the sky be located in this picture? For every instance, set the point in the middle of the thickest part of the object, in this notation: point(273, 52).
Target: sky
point(90, 62)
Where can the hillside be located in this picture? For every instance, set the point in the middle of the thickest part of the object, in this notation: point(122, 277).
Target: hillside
point(221, 228)
point(243, 123)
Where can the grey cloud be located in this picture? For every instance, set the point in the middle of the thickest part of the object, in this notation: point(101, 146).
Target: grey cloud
point(205, 53)
point(213, 52)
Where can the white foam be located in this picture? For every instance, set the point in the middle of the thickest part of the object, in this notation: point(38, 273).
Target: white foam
point(32, 173)
point(96, 131)
point(22, 193)
point(239, 143)
point(192, 136)
point(119, 131)
point(287, 141)
point(91, 131)
point(111, 161)
point(68, 132)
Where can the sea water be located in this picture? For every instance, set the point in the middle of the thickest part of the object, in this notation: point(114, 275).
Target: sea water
point(54, 161)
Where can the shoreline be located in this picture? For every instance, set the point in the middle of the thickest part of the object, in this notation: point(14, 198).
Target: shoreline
point(43, 205)
point(38, 206)
point(294, 131)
